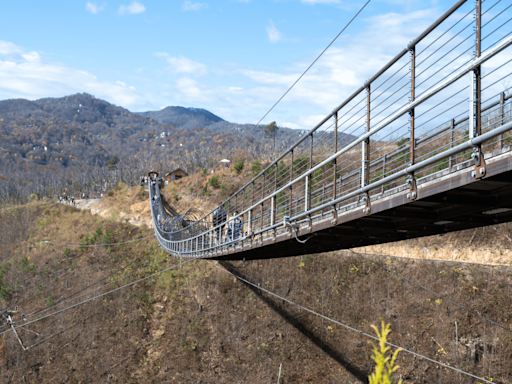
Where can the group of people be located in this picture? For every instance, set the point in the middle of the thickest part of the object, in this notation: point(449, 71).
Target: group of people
point(71, 199)
point(231, 231)
point(67, 199)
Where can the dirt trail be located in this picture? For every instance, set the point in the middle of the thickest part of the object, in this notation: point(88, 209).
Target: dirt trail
point(135, 212)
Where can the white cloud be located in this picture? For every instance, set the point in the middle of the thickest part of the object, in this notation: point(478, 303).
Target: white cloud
point(94, 8)
point(273, 33)
point(134, 8)
point(340, 71)
point(190, 6)
point(182, 64)
point(26, 75)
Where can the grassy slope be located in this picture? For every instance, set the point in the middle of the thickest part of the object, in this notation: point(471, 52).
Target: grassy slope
point(197, 324)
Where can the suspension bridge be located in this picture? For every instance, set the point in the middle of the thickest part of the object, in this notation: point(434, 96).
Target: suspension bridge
point(421, 148)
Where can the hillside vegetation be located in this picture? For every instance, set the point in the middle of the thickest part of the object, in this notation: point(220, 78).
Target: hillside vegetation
point(196, 323)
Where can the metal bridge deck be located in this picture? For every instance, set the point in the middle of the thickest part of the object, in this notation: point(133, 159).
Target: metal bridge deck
point(450, 202)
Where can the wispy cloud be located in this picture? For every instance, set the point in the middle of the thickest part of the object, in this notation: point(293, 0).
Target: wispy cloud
point(30, 76)
point(182, 64)
point(94, 8)
point(190, 6)
point(133, 9)
point(274, 35)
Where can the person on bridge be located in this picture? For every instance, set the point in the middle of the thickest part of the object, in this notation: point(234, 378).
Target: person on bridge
point(219, 219)
point(234, 227)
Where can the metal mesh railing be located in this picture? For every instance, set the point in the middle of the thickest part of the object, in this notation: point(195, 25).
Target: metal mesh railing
point(424, 114)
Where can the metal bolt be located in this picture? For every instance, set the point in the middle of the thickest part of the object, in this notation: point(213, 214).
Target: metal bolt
point(473, 174)
point(482, 170)
point(413, 195)
point(408, 195)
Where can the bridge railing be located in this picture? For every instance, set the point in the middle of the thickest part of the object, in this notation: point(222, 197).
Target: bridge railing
point(440, 93)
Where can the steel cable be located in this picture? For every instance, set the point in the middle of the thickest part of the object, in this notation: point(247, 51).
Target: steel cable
point(74, 297)
point(437, 50)
point(296, 81)
point(95, 297)
point(444, 33)
point(496, 16)
point(341, 324)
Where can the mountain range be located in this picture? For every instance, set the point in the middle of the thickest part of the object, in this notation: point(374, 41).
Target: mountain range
point(83, 130)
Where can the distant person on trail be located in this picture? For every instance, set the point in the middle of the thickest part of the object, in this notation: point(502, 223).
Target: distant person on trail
point(219, 219)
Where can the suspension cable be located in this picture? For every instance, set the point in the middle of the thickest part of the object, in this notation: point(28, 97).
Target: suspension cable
point(95, 297)
point(342, 324)
point(296, 81)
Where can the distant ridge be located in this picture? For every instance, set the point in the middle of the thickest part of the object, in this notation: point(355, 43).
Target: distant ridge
point(187, 118)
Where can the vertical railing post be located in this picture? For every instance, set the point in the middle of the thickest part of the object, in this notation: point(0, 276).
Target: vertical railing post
point(249, 222)
point(475, 123)
point(502, 116)
point(452, 127)
point(413, 95)
point(274, 200)
point(275, 178)
point(291, 188)
point(261, 221)
point(272, 209)
point(474, 115)
point(384, 161)
point(309, 187)
point(306, 200)
point(365, 145)
point(335, 150)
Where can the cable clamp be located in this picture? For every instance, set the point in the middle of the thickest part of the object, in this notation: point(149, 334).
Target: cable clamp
point(367, 207)
point(413, 189)
point(334, 219)
point(480, 166)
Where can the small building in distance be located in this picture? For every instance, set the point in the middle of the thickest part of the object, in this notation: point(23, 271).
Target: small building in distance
point(176, 174)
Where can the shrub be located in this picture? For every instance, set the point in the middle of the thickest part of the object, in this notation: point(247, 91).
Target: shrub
point(239, 166)
point(176, 197)
point(5, 290)
point(214, 182)
point(67, 252)
point(223, 190)
point(385, 364)
point(25, 267)
point(108, 237)
point(205, 171)
point(255, 168)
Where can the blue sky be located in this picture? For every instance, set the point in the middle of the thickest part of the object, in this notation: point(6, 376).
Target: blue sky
point(234, 58)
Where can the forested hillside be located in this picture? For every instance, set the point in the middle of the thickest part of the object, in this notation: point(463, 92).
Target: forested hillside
point(83, 143)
